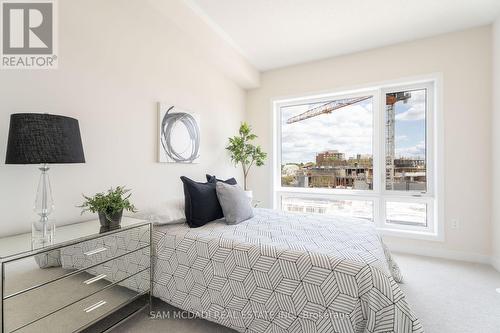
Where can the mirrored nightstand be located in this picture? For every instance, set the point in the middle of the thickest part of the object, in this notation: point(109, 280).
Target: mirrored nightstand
point(86, 275)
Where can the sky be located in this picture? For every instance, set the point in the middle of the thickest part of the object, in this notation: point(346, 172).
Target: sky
point(410, 126)
point(350, 130)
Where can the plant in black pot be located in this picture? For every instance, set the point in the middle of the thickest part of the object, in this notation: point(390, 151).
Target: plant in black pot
point(109, 206)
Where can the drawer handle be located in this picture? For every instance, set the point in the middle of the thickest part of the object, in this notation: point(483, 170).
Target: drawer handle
point(95, 279)
point(95, 251)
point(95, 306)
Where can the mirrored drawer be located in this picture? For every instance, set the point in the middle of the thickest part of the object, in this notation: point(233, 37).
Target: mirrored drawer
point(82, 313)
point(35, 270)
point(31, 305)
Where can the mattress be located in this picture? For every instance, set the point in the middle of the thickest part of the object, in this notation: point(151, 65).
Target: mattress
point(283, 272)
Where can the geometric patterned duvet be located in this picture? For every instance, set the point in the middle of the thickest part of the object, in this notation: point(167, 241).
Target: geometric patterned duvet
point(283, 272)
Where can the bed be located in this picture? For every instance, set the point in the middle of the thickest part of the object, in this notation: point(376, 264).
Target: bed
point(283, 272)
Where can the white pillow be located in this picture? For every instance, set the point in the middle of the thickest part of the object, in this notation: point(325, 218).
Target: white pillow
point(170, 212)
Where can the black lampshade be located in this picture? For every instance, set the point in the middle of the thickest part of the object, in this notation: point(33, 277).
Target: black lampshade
point(36, 138)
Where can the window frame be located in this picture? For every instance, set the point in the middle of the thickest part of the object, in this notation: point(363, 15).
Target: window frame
point(379, 195)
point(278, 143)
point(429, 140)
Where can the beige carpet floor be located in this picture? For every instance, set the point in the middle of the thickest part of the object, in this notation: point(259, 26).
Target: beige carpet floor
point(448, 297)
point(452, 296)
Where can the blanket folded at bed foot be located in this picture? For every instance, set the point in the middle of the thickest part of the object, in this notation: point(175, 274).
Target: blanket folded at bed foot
point(282, 272)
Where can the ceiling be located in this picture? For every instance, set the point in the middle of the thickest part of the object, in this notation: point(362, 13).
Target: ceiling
point(278, 33)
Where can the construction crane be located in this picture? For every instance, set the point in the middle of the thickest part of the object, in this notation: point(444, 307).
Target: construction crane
point(326, 108)
point(390, 100)
point(390, 148)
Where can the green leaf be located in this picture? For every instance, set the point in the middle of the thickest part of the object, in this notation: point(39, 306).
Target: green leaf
point(243, 152)
point(115, 200)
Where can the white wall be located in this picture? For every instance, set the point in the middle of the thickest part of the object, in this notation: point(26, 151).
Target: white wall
point(496, 145)
point(117, 59)
point(464, 59)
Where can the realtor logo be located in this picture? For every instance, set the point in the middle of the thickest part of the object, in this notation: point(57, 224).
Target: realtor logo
point(28, 34)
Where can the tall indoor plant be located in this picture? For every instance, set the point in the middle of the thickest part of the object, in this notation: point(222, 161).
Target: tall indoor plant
point(245, 153)
point(109, 206)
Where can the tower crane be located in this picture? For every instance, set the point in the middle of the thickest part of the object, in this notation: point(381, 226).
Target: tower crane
point(326, 108)
point(390, 148)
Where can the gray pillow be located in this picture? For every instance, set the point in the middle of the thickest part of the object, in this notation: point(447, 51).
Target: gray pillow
point(234, 202)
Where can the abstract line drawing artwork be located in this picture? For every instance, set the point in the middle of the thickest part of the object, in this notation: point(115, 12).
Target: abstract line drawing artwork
point(179, 135)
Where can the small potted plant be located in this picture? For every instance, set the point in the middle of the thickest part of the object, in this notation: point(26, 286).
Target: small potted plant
point(245, 153)
point(109, 206)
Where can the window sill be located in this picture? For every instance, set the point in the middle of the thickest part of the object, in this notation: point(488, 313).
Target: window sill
point(411, 234)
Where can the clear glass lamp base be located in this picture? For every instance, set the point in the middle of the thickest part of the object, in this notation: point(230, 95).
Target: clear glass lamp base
point(42, 234)
point(42, 231)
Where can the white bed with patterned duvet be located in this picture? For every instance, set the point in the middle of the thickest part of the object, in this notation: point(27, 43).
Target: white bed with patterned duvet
point(283, 272)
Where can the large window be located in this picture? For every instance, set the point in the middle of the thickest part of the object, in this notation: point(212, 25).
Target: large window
point(328, 144)
point(368, 154)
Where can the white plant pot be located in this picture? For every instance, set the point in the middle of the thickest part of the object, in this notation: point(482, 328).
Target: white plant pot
point(249, 195)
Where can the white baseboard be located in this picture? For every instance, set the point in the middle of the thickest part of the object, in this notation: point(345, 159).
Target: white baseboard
point(495, 262)
point(447, 254)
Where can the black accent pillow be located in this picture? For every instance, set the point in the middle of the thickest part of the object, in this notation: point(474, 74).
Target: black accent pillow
point(230, 181)
point(201, 203)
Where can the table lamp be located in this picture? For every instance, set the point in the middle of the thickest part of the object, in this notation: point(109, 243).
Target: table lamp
point(43, 139)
